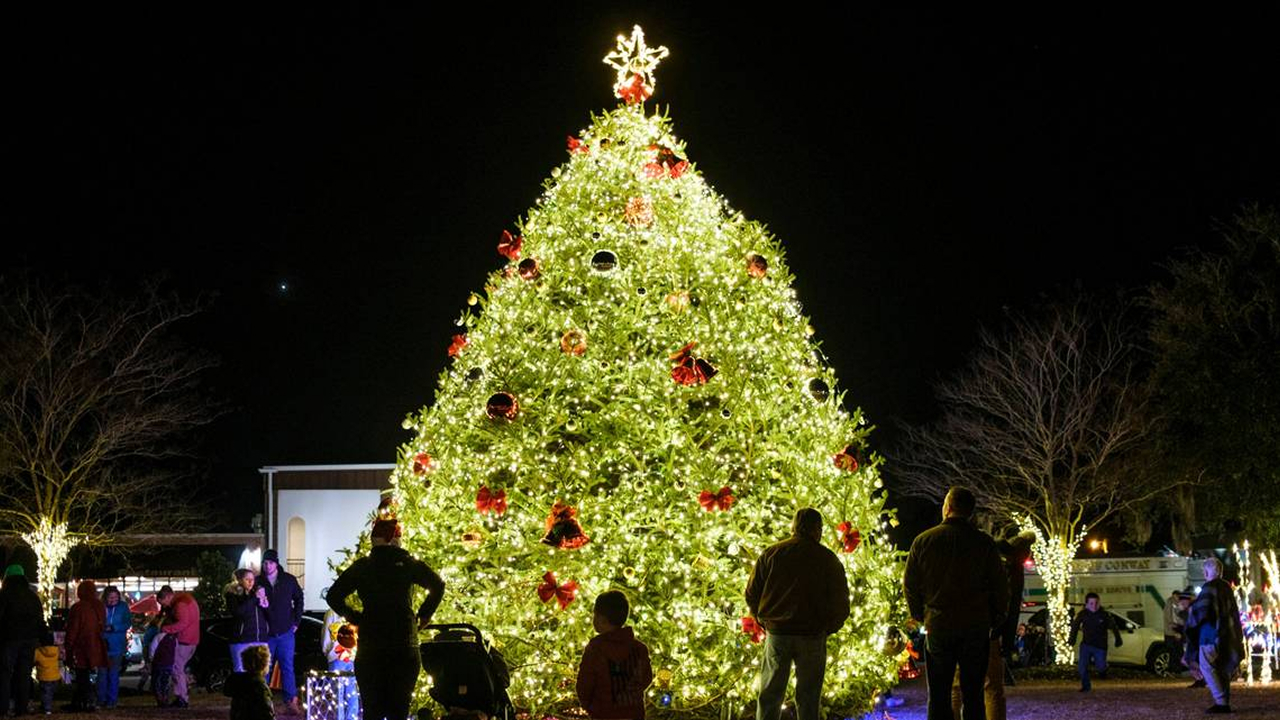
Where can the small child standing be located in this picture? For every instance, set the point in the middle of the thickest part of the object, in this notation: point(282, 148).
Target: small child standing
point(163, 647)
point(615, 667)
point(250, 697)
point(342, 658)
point(47, 671)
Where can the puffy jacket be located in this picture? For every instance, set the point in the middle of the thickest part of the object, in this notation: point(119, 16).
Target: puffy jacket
point(285, 601)
point(21, 616)
point(86, 622)
point(118, 621)
point(253, 626)
point(186, 619)
point(46, 662)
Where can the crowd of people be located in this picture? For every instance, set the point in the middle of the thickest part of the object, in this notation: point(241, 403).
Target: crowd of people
point(961, 586)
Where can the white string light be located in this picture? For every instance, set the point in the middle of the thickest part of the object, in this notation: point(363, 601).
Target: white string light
point(1053, 557)
point(51, 543)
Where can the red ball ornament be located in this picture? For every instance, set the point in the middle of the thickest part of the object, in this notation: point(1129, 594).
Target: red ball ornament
point(757, 266)
point(847, 459)
point(424, 463)
point(639, 212)
point(502, 406)
point(528, 269)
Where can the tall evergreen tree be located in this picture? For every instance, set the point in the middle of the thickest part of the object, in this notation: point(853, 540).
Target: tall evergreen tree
point(636, 402)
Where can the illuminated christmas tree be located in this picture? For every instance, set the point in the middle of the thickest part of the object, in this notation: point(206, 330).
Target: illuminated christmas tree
point(635, 403)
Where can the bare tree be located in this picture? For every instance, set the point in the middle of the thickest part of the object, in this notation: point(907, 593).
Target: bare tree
point(1042, 424)
point(97, 404)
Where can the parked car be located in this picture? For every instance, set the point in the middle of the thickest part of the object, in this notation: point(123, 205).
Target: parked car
point(1143, 646)
point(211, 664)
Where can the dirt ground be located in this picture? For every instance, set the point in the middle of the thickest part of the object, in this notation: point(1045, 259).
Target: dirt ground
point(1141, 698)
point(1148, 698)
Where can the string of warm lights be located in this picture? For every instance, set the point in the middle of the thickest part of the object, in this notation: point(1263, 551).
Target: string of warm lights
point(1053, 557)
point(51, 544)
point(1271, 617)
point(1260, 623)
point(643, 359)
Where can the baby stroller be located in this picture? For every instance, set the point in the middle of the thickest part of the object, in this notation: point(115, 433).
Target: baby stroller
point(468, 677)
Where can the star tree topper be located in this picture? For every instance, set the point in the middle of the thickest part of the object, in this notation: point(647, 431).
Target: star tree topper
point(635, 62)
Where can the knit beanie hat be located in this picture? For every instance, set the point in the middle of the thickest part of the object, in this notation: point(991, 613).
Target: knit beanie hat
point(15, 569)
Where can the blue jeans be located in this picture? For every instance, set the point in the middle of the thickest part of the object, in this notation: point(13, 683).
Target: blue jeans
point(109, 682)
point(281, 647)
point(1099, 656)
point(809, 653)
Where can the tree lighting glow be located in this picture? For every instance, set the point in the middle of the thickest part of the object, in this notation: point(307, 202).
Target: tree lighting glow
point(1053, 556)
point(51, 544)
point(670, 405)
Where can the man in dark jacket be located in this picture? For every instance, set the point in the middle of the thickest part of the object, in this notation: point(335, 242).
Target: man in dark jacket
point(21, 627)
point(799, 594)
point(388, 664)
point(956, 586)
point(1093, 623)
point(1214, 622)
point(284, 612)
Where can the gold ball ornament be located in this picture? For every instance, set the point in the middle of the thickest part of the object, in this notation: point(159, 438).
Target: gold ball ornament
point(573, 342)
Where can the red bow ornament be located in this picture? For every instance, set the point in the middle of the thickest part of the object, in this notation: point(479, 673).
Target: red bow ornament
point(494, 501)
point(564, 593)
point(847, 459)
point(634, 90)
point(690, 370)
point(577, 147)
point(459, 342)
point(849, 537)
point(752, 628)
point(509, 246)
point(666, 164)
point(722, 500)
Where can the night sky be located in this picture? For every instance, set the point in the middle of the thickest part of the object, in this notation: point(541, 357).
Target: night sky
point(923, 173)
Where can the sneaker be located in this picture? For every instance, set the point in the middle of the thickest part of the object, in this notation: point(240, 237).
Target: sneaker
point(178, 703)
point(1084, 689)
point(1196, 684)
point(1218, 710)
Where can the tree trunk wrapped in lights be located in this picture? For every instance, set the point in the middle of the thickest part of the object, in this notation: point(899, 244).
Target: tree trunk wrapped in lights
point(1053, 555)
point(639, 406)
point(51, 544)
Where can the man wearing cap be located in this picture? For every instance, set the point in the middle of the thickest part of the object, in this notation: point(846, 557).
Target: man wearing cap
point(387, 665)
point(21, 627)
point(284, 611)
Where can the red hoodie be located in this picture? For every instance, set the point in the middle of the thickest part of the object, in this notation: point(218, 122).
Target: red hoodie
point(614, 673)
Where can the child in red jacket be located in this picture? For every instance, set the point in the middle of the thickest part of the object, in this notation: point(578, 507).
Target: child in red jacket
point(615, 669)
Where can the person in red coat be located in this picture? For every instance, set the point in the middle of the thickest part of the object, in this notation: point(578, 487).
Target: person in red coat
point(86, 649)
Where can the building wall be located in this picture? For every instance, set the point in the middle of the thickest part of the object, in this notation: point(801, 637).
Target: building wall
point(333, 519)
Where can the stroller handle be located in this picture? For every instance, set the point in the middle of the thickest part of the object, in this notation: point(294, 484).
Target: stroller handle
point(456, 626)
